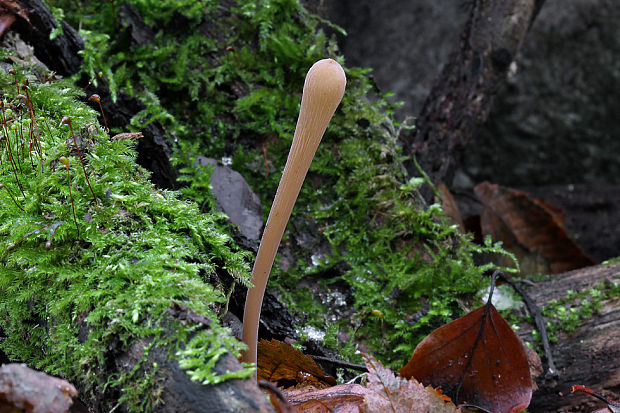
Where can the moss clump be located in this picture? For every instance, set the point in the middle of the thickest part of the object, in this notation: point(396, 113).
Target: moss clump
point(238, 69)
point(568, 313)
point(74, 289)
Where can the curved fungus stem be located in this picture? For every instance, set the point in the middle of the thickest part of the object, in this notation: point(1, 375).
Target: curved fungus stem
point(323, 90)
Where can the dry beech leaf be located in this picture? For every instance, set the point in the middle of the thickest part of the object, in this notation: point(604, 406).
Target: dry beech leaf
point(276, 397)
point(282, 363)
point(513, 217)
point(127, 135)
point(476, 360)
point(449, 206)
point(8, 10)
point(13, 7)
point(6, 21)
point(344, 398)
point(390, 393)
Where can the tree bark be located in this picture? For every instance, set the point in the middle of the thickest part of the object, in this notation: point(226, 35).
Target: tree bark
point(180, 394)
point(462, 96)
point(589, 355)
point(59, 54)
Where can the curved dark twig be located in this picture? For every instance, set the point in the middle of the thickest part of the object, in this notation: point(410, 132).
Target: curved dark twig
point(539, 321)
point(284, 406)
point(340, 363)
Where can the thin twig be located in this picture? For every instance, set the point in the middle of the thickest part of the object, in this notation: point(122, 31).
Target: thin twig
point(539, 320)
point(284, 405)
point(340, 363)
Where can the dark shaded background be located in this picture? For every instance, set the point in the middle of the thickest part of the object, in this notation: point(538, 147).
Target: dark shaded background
point(554, 122)
point(553, 129)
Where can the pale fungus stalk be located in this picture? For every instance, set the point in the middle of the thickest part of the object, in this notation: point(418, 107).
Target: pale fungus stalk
point(323, 91)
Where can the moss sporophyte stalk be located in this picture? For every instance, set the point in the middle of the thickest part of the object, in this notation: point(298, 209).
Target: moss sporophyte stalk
point(91, 254)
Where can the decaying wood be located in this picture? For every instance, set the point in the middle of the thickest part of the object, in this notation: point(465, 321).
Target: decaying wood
point(590, 355)
point(463, 94)
point(173, 391)
point(60, 54)
point(155, 147)
point(459, 102)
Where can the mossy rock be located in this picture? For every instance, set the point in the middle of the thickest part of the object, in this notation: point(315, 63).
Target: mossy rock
point(225, 77)
point(94, 259)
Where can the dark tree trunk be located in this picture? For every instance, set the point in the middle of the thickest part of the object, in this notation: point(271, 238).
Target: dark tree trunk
point(462, 96)
point(59, 54)
point(154, 148)
point(589, 355)
point(177, 392)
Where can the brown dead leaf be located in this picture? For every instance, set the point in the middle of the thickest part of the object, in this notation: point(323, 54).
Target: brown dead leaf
point(8, 10)
point(127, 135)
point(276, 397)
point(25, 390)
point(477, 360)
point(397, 394)
point(6, 21)
point(13, 7)
point(282, 363)
point(344, 398)
point(533, 225)
point(449, 206)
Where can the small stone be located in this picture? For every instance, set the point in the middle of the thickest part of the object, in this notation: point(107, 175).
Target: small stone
point(235, 198)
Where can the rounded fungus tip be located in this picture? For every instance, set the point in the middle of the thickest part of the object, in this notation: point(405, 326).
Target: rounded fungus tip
point(327, 80)
point(323, 90)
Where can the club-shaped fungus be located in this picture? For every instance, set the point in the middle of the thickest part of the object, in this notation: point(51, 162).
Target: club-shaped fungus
point(322, 93)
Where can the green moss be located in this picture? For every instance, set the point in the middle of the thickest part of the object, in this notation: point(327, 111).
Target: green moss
point(568, 313)
point(611, 261)
point(227, 82)
point(74, 289)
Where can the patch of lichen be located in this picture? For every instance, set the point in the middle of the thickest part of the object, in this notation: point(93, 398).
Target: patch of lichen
point(230, 80)
point(82, 276)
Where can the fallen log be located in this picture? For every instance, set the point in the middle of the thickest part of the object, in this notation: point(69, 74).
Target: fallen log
point(60, 52)
point(588, 355)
